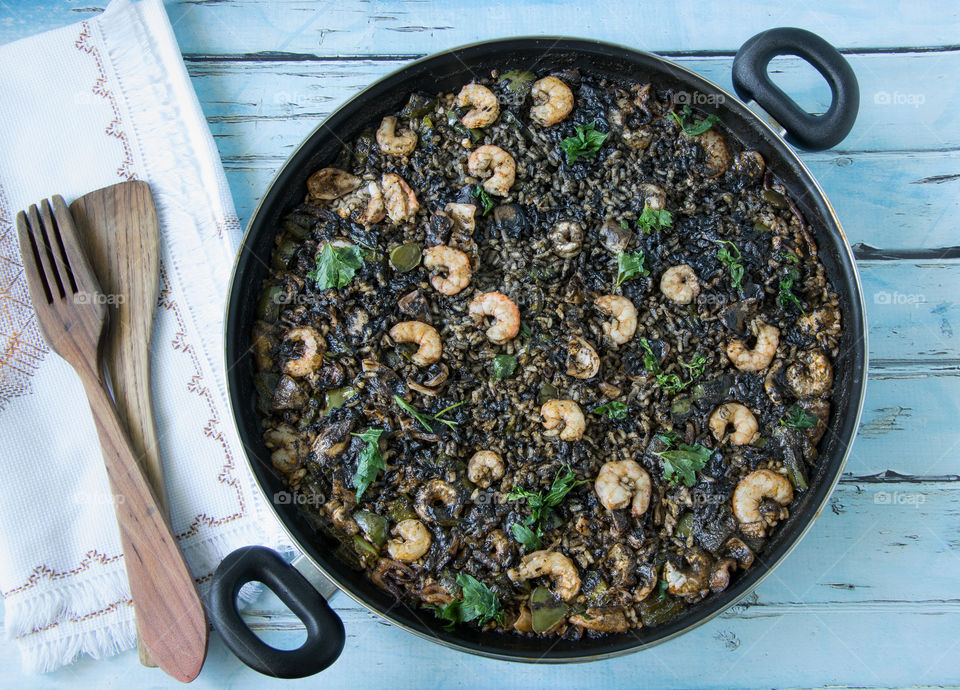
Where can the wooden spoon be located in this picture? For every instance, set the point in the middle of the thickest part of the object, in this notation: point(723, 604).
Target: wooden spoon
point(71, 314)
point(119, 230)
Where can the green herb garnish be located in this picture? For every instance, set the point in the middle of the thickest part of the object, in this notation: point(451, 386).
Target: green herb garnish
point(479, 192)
point(449, 422)
point(422, 418)
point(524, 333)
point(669, 437)
point(453, 119)
point(613, 409)
point(629, 265)
point(584, 144)
point(370, 462)
point(693, 129)
point(799, 418)
point(504, 366)
point(541, 506)
point(527, 537)
point(651, 220)
point(671, 383)
point(696, 365)
point(413, 411)
point(479, 603)
point(682, 464)
point(732, 260)
point(786, 296)
point(336, 266)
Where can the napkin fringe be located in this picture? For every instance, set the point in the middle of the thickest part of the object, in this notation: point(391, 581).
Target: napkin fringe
point(107, 640)
point(78, 597)
point(158, 98)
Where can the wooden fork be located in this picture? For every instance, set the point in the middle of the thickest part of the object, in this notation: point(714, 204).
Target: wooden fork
point(71, 313)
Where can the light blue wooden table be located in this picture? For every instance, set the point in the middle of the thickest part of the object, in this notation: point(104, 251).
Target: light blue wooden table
point(870, 598)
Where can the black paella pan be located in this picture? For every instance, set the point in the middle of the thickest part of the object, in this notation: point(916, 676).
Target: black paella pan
point(448, 71)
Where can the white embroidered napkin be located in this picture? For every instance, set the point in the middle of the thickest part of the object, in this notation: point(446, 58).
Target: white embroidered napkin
point(83, 107)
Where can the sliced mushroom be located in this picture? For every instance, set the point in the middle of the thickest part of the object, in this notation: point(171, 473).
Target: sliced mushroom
point(288, 394)
point(415, 304)
point(331, 183)
point(614, 236)
point(333, 440)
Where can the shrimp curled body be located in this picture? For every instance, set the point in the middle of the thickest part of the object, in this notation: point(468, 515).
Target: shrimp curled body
point(624, 483)
point(506, 316)
point(395, 143)
point(454, 262)
point(425, 336)
point(749, 496)
point(484, 107)
point(563, 418)
point(740, 417)
point(413, 542)
point(679, 284)
point(484, 468)
point(553, 101)
point(496, 165)
point(312, 354)
point(759, 358)
point(623, 324)
point(559, 568)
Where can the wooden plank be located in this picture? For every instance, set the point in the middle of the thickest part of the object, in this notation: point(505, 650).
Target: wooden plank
point(904, 106)
point(333, 28)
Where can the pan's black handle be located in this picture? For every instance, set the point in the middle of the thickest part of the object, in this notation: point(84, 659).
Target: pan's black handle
point(751, 81)
point(325, 635)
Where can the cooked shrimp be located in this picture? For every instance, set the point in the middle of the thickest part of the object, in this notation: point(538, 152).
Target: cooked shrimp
point(311, 354)
point(484, 468)
point(495, 162)
point(759, 358)
point(453, 262)
point(285, 444)
point(583, 362)
point(331, 183)
point(563, 417)
point(438, 501)
point(553, 101)
point(425, 336)
point(567, 238)
point(822, 323)
point(749, 496)
point(374, 211)
point(556, 566)
point(622, 483)
point(740, 417)
point(399, 199)
point(395, 143)
point(414, 540)
point(463, 217)
point(623, 324)
point(484, 106)
point(811, 375)
point(506, 316)
point(679, 284)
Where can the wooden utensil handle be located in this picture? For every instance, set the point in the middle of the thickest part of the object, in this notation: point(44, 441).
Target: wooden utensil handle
point(171, 618)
